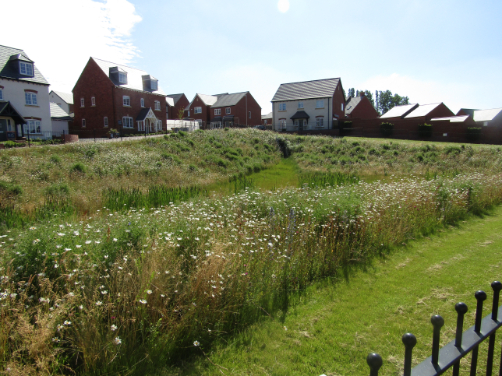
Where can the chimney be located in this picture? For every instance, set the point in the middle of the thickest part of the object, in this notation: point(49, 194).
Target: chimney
point(361, 93)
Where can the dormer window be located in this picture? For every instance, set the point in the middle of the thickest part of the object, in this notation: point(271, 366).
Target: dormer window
point(118, 76)
point(122, 78)
point(26, 69)
point(150, 83)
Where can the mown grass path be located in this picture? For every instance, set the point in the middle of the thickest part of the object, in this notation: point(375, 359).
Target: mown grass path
point(335, 324)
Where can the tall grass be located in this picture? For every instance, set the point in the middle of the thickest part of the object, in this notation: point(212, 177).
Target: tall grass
point(129, 291)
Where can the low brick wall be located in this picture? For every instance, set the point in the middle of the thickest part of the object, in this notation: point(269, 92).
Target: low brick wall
point(69, 138)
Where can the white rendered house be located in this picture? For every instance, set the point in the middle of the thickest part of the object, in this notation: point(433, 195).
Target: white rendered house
point(24, 97)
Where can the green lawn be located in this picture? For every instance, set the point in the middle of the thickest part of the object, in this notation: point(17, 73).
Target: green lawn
point(334, 325)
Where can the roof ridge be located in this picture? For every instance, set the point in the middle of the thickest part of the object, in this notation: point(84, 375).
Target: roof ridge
point(14, 48)
point(127, 66)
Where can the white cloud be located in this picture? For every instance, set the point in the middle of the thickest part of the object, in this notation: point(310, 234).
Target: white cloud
point(283, 6)
point(61, 35)
point(453, 95)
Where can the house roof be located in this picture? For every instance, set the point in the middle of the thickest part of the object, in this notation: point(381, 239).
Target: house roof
point(208, 100)
point(351, 104)
point(145, 113)
point(67, 97)
point(467, 111)
point(300, 115)
point(399, 111)
point(7, 110)
point(486, 115)
point(175, 97)
point(57, 113)
point(422, 110)
point(267, 116)
point(134, 76)
point(8, 68)
point(453, 119)
point(306, 90)
point(170, 101)
point(225, 100)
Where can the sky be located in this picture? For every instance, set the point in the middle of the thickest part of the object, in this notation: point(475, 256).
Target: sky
point(429, 50)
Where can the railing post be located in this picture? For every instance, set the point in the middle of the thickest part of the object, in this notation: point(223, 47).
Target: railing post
point(496, 286)
point(375, 362)
point(461, 309)
point(437, 322)
point(409, 341)
point(480, 297)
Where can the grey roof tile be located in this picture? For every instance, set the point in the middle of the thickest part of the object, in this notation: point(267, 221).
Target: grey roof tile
point(225, 100)
point(176, 97)
point(306, 90)
point(9, 68)
point(351, 104)
point(57, 113)
point(67, 97)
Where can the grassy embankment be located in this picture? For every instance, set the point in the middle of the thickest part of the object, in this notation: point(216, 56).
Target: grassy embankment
point(130, 290)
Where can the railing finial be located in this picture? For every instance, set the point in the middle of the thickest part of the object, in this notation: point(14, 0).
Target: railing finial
point(375, 362)
point(437, 321)
point(409, 341)
point(461, 309)
point(496, 286)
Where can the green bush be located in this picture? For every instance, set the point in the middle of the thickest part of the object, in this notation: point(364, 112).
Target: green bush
point(78, 167)
point(386, 128)
point(425, 130)
point(55, 159)
point(12, 144)
point(170, 157)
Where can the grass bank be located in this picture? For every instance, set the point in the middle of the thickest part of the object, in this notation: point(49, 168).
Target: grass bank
point(334, 324)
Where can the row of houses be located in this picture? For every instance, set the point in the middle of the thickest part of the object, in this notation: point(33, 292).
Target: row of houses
point(110, 97)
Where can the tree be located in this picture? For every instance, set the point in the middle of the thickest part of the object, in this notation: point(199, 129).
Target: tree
point(352, 92)
point(181, 113)
point(386, 101)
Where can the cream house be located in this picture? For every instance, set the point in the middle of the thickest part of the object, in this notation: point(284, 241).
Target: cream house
point(24, 96)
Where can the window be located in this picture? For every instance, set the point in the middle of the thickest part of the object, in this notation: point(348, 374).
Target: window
point(30, 98)
point(105, 121)
point(10, 126)
point(81, 102)
point(83, 123)
point(127, 122)
point(26, 69)
point(159, 125)
point(157, 105)
point(153, 85)
point(217, 111)
point(227, 110)
point(319, 103)
point(264, 122)
point(142, 102)
point(342, 106)
point(188, 113)
point(1, 93)
point(93, 101)
point(319, 121)
point(250, 114)
point(32, 126)
point(282, 106)
point(122, 78)
point(282, 123)
point(141, 126)
point(126, 100)
point(300, 104)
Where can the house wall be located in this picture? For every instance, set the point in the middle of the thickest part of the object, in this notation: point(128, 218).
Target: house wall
point(13, 91)
point(180, 105)
point(59, 126)
point(364, 110)
point(309, 106)
point(338, 99)
point(206, 110)
point(54, 98)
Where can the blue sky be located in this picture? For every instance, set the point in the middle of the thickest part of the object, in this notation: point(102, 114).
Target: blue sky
point(431, 51)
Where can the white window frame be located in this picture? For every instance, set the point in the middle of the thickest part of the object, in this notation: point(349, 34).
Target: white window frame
point(122, 78)
point(300, 105)
point(33, 126)
point(228, 111)
point(217, 111)
point(141, 125)
point(319, 121)
point(126, 101)
point(83, 123)
point(319, 103)
point(342, 106)
point(26, 69)
point(127, 122)
point(105, 121)
point(159, 126)
point(142, 102)
point(282, 123)
point(93, 101)
point(197, 110)
point(282, 106)
point(30, 98)
point(157, 106)
point(82, 102)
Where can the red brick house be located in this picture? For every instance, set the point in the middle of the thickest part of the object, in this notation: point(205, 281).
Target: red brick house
point(237, 109)
point(113, 96)
point(360, 107)
point(175, 104)
point(199, 108)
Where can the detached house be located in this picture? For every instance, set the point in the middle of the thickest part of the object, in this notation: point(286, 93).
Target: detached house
point(176, 103)
point(109, 95)
point(308, 105)
point(24, 97)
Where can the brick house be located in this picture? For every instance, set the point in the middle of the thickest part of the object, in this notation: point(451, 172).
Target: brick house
point(308, 105)
point(360, 107)
point(175, 104)
point(199, 108)
point(113, 96)
point(24, 97)
point(237, 109)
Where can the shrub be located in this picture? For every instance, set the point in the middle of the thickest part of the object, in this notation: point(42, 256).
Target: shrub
point(12, 144)
point(55, 159)
point(78, 167)
point(170, 157)
point(425, 130)
point(386, 128)
point(11, 189)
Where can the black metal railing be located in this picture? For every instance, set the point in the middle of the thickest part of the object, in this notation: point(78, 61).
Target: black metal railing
point(464, 343)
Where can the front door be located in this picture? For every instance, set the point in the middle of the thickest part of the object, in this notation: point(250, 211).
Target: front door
point(3, 129)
